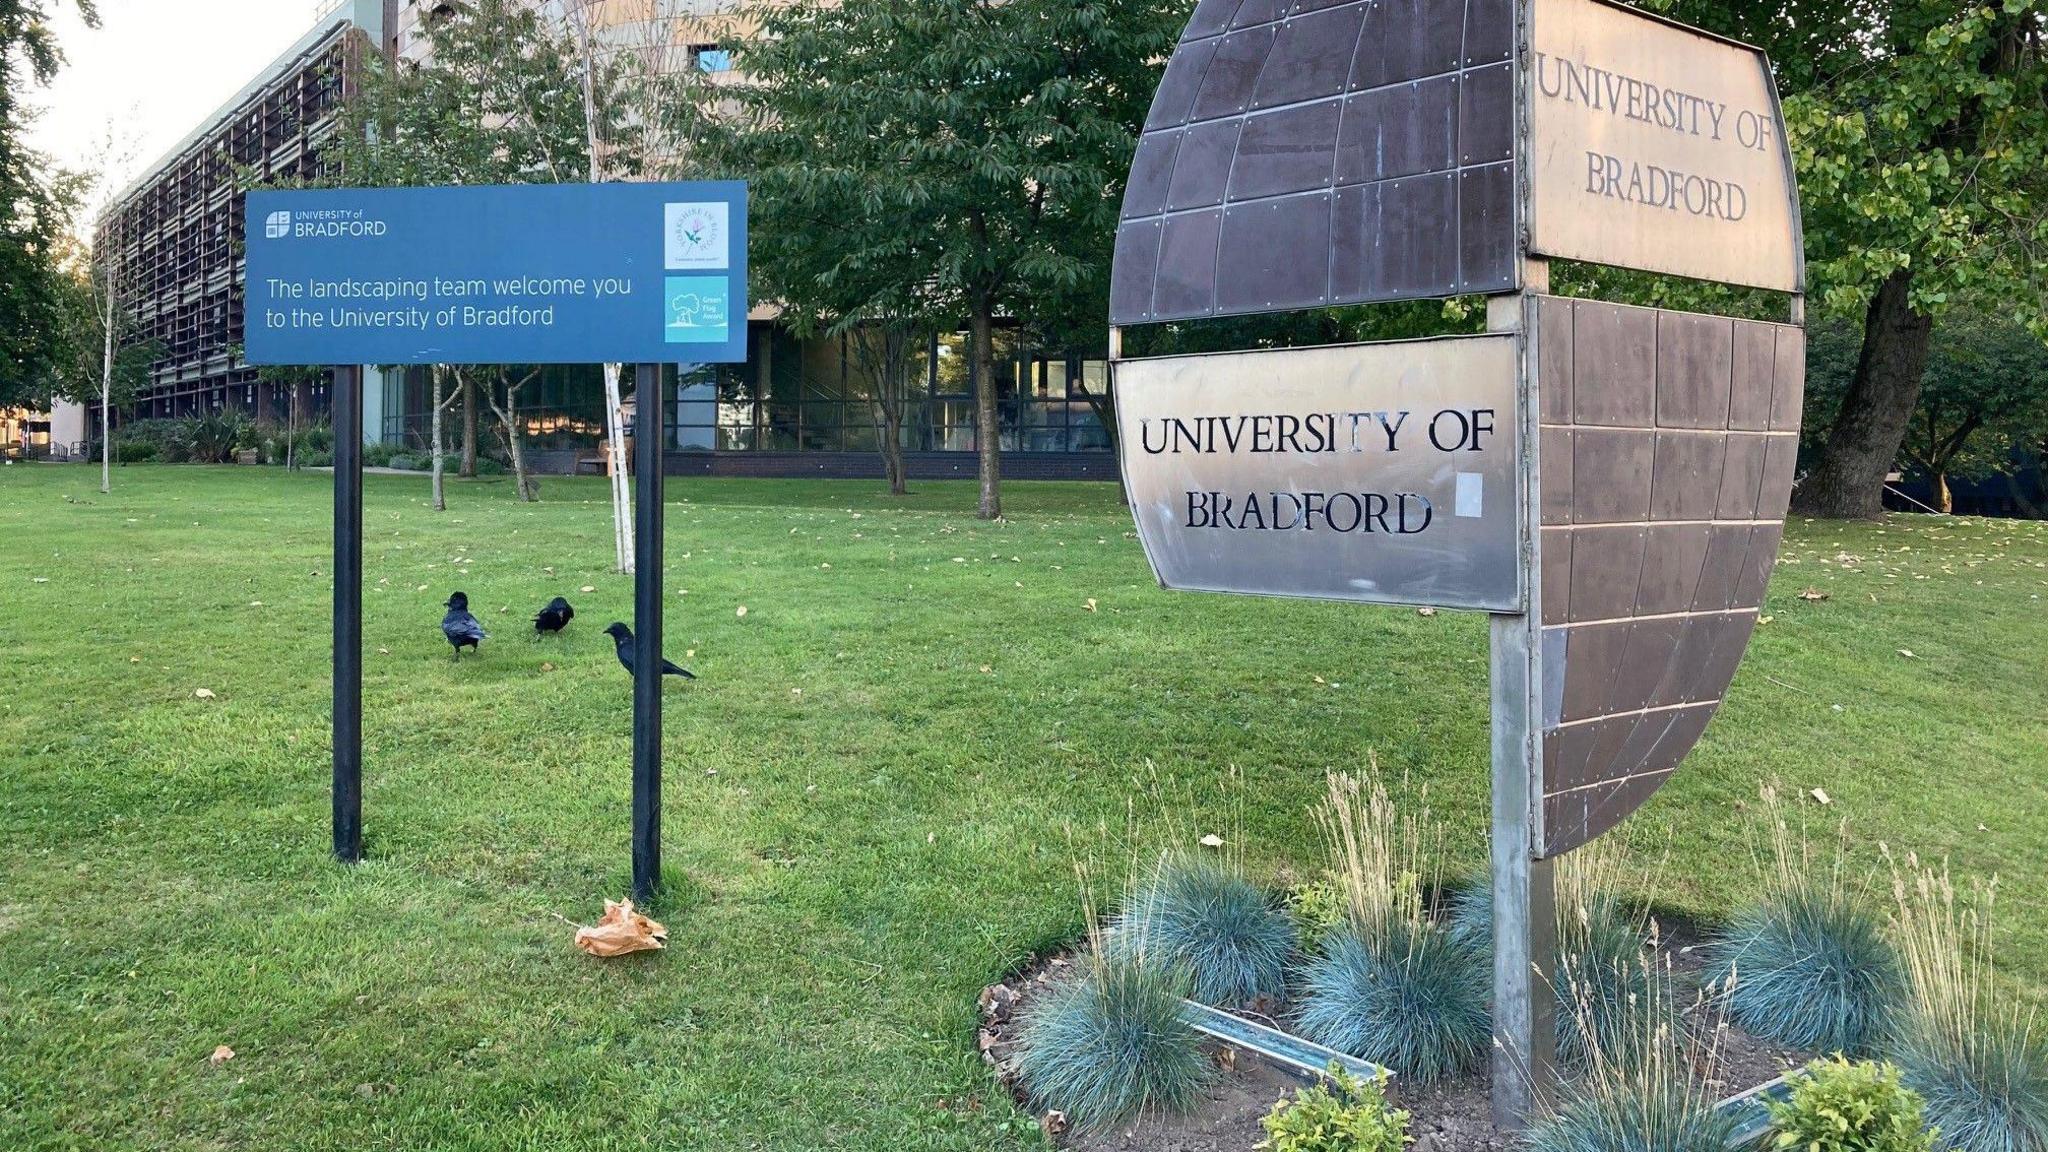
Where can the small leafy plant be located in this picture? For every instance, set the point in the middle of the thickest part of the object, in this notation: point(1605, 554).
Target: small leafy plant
point(1112, 1043)
point(1344, 1113)
point(1318, 910)
point(1203, 916)
point(1839, 1106)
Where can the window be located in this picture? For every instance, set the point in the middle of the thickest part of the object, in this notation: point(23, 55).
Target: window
point(710, 58)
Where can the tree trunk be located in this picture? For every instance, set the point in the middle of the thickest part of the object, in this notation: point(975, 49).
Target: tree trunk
point(468, 427)
point(515, 442)
point(619, 468)
point(1943, 498)
point(987, 414)
point(107, 390)
point(2019, 496)
point(890, 368)
point(1848, 483)
point(440, 448)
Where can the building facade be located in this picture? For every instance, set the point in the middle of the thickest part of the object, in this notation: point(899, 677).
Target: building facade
point(796, 408)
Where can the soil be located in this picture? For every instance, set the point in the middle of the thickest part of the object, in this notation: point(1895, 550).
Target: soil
point(1448, 1117)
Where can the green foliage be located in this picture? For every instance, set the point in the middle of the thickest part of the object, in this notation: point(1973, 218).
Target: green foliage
point(1319, 908)
point(1807, 970)
point(1931, 158)
point(214, 437)
point(499, 101)
point(36, 205)
point(1202, 916)
point(1408, 997)
point(1839, 1106)
point(1355, 1117)
point(1112, 1043)
point(948, 161)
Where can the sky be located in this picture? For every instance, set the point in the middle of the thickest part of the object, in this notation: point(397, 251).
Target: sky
point(155, 69)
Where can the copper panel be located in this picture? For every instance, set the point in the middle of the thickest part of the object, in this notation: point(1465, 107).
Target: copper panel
point(1688, 481)
point(1671, 568)
point(1611, 472)
point(1614, 360)
point(1402, 110)
point(1695, 357)
point(1756, 359)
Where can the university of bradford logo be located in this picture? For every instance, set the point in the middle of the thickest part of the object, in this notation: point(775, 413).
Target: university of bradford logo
point(277, 226)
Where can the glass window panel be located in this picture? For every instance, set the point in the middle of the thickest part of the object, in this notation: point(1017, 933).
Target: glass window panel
point(818, 415)
point(1048, 379)
point(820, 439)
point(736, 439)
point(779, 438)
point(696, 439)
point(1086, 432)
point(955, 439)
point(953, 364)
point(1045, 440)
point(861, 438)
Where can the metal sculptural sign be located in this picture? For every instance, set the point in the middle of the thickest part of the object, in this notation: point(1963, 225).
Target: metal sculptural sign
point(1302, 154)
point(1382, 473)
point(1658, 147)
point(524, 274)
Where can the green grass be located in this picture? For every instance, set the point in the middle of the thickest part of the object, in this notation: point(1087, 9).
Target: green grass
point(888, 828)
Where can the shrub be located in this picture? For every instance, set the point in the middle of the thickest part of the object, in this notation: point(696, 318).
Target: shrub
point(1808, 965)
point(1837, 1106)
point(1391, 986)
point(378, 455)
point(316, 459)
point(1963, 1043)
point(1112, 1043)
point(136, 453)
point(213, 438)
point(1318, 910)
point(1204, 917)
point(1410, 999)
point(1354, 1118)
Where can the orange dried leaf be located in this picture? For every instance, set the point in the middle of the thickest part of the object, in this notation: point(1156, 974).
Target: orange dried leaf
point(621, 932)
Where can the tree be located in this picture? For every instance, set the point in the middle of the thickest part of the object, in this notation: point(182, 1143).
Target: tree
point(632, 71)
point(295, 379)
point(998, 133)
point(496, 103)
point(1983, 402)
point(1923, 179)
point(1920, 133)
point(35, 207)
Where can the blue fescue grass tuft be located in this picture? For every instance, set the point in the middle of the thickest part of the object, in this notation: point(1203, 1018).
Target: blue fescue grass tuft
point(1411, 999)
point(1962, 1041)
point(1599, 971)
point(1112, 1044)
point(1807, 965)
point(1807, 971)
point(1204, 917)
point(1664, 1115)
point(1645, 1083)
point(1986, 1094)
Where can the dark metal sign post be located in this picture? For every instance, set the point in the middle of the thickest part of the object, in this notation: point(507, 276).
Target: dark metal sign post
point(651, 426)
point(348, 613)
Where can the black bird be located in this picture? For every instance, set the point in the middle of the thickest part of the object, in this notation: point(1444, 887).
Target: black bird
point(554, 617)
point(623, 637)
point(460, 627)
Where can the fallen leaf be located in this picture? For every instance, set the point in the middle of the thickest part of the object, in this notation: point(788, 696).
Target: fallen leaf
point(1908, 653)
point(547, 667)
point(255, 603)
point(1821, 795)
point(1053, 1123)
point(1212, 840)
point(1813, 594)
point(1319, 680)
point(588, 588)
point(135, 659)
point(221, 1055)
point(1763, 620)
point(742, 612)
point(1425, 611)
point(1091, 604)
point(986, 670)
point(204, 693)
point(621, 932)
point(42, 579)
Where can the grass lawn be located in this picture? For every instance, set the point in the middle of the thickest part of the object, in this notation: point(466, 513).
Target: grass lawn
point(876, 795)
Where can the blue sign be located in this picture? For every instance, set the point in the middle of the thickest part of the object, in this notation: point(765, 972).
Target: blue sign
point(525, 274)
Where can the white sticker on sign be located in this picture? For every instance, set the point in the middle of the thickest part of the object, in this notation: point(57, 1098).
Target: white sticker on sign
point(1471, 496)
point(698, 236)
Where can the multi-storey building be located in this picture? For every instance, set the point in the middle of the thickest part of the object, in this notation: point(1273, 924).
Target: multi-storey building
point(797, 407)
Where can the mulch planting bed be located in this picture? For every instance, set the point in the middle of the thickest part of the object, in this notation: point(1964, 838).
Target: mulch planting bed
point(1453, 1116)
